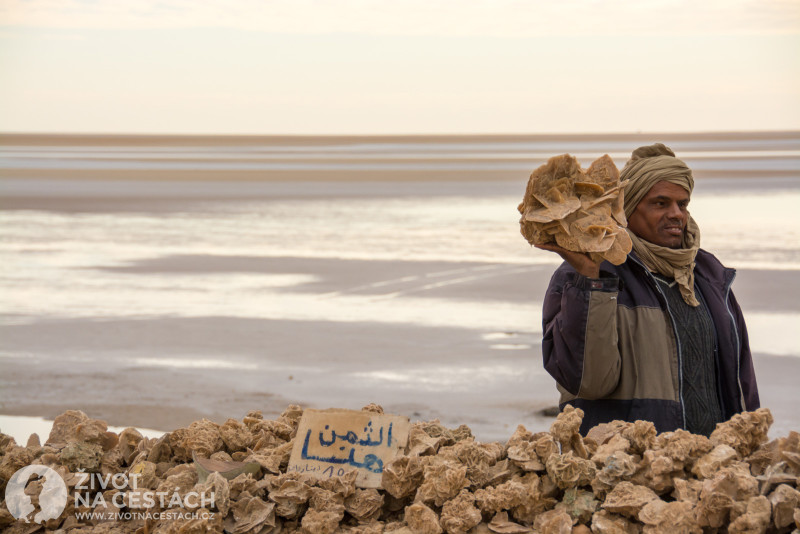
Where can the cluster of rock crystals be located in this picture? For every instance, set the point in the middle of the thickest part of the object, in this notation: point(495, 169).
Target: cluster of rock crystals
point(621, 478)
point(576, 209)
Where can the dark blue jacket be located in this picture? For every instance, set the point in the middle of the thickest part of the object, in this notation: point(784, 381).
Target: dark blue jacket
point(612, 348)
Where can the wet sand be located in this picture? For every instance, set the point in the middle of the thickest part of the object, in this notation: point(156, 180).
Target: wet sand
point(201, 171)
point(164, 372)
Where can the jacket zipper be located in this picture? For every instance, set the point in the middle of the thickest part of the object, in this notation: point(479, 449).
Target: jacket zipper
point(738, 347)
point(677, 340)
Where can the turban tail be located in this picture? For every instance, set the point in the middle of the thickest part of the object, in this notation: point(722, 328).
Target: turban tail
point(638, 176)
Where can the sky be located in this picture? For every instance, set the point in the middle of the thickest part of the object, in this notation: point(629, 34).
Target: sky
point(398, 67)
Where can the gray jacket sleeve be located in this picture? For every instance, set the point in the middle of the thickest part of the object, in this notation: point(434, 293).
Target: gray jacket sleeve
point(580, 343)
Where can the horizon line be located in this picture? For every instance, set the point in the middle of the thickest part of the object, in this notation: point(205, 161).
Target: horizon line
point(399, 134)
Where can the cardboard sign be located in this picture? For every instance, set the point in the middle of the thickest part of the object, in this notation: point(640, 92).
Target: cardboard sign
point(330, 443)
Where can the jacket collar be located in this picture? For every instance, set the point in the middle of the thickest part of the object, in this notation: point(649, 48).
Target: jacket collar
point(707, 266)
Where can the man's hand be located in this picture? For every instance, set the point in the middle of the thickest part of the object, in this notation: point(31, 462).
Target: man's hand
point(580, 261)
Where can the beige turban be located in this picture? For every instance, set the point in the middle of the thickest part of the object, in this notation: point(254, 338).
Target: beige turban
point(649, 165)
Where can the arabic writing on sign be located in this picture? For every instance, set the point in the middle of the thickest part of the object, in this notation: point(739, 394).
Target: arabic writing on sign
point(319, 471)
point(332, 442)
point(371, 462)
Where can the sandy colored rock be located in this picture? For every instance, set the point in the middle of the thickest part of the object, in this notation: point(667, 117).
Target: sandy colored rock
point(628, 499)
point(236, 436)
point(176, 441)
point(565, 431)
point(180, 479)
point(553, 522)
point(580, 505)
point(789, 451)
point(364, 505)
point(343, 486)
point(617, 467)
point(603, 432)
point(579, 210)
point(660, 517)
point(460, 514)
point(317, 522)
point(324, 500)
point(252, 515)
point(718, 494)
point(145, 475)
point(754, 520)
point(604, 522)
point(15, 458)
point(545, 446)
point(441, 482)
point(710, 463)
point(160, 450)
point(219, 486)
point(687, 490)
point(784, 500)
point(129, 439)
point(744, 432)
point(520, 435)
point(272, 460)
point(501, 524)
point(641, 435)
point(524, 456)
point(568, 470)
point(673, 453)
point(764, 456)
point(402, 476)
point(436, 429)
point(478, 458)
point(290, 493)
point(219, 456)
point(420, 443)
point(538, 498)
point(615, 444)
point(658, 471)
point(82, 456)
point(494, 499)
point(502, 472)
point(246, 483)
point(74, 425)
point(375, 527)
point(682, 445)
point(291, 417)
point(422, 520)
point(203, 437)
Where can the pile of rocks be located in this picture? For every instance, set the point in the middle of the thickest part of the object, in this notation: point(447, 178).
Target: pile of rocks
point(620, 478)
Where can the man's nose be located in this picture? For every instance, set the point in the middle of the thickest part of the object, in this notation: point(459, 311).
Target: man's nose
point(675, 212)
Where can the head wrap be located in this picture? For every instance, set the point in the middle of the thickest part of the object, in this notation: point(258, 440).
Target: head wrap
point(648, 166)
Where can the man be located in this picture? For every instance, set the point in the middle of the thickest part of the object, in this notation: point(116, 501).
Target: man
point(660, 337)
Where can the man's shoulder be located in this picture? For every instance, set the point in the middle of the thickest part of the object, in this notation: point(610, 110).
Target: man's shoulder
point(708, 266)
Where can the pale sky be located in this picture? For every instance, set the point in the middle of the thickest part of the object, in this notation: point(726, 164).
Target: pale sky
point(382, 67)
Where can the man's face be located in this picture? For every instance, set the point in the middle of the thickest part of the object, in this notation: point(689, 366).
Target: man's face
point(661, 216)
